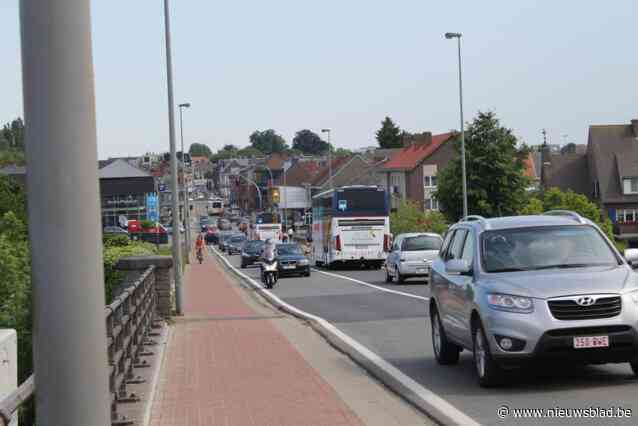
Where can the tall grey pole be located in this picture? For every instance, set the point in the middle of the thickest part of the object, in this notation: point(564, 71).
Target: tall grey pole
point(328, 131)
point(261, 206)
point(177, 247)
point(187, 213)
point(283, 196)
point(70, 355)
point(463, 170)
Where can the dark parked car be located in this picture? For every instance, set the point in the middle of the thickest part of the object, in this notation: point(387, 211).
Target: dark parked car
point(291, 260)
point(250, 252)
point(212, 235)
point(224, 239)
point(236, 243)
point(223, 224)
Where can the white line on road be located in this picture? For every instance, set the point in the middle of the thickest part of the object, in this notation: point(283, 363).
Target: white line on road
point(387, 290)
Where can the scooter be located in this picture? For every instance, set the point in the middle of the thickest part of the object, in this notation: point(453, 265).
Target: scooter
point(269, 273)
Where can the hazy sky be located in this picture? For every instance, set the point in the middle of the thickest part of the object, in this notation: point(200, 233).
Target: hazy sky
point(289, 65)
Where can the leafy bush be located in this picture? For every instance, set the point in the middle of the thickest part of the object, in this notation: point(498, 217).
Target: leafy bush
point(410, 218)
point(147, 224)
point(112, 254)
point(115, 240)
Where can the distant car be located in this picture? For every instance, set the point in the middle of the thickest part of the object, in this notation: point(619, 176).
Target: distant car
point(224, 224)
point(113, 230)
point(224, 239)
point(235, 244)
point(235, 218)
point(411, 256)
point(251, 251)
point(291, 260)
point(212, 235)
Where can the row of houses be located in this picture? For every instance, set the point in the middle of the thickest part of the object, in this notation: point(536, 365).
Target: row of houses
point(605, 169)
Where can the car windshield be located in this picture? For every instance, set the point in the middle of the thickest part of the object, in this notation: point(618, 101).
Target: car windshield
point(545, 248)
point(238, 239)
point(421, 243)
point(286, 249)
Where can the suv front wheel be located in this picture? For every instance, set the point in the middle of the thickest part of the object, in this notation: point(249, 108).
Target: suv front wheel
point(445, 352)
point(488, 371)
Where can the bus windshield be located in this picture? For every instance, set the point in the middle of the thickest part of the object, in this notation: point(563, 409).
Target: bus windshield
point(365, 201)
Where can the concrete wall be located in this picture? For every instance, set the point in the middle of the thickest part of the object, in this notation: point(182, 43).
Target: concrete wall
point(8, 365)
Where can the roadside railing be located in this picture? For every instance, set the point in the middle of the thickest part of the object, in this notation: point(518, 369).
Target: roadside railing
point(130, 320)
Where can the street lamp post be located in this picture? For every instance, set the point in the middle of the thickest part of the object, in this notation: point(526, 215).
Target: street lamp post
point(177, 248)
point(256, 186)
point(69, 332)
point(329, 156)
point(187, 214)
point(457, 36)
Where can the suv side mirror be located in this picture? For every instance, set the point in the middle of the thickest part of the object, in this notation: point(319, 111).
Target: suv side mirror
point(457, 266)
point(631, 255)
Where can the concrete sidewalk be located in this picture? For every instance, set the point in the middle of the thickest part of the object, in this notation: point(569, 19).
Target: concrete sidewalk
point(226, 364)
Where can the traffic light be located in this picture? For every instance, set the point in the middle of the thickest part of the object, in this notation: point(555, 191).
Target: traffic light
point(275, 195)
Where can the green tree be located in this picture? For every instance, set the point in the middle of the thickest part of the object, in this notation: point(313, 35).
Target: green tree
point(410, 218)
point(389, 135)
point(13, 133)
point(200, 150)
point(228, 151)
point(268, 141)
point(555, 199)
point(496, 183)
point(309, 142)
point(341, 152)
point(249, 151)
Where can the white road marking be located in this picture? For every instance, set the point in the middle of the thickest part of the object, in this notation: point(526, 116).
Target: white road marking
point(438, 407)
point(387, 290)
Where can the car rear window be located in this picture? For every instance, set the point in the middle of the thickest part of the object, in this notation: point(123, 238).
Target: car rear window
point(421, 243)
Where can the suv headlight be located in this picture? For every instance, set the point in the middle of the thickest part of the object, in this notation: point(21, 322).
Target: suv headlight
point(634, 296)
point(303, 262)
point(509, 303)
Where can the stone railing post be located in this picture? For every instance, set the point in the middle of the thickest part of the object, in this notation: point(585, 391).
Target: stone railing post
point(163, 278)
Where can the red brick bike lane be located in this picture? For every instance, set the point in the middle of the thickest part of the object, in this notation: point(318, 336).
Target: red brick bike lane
point(226, 364)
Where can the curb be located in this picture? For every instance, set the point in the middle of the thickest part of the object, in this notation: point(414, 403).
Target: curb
point(156, 374)
point(422, 398)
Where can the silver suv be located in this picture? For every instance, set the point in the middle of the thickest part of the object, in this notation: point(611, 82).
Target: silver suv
point(411, 256)
point(517, 289)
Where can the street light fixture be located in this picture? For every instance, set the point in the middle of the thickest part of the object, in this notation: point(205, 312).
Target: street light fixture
point(328, 131)
point(458, 36)
point(187, 215)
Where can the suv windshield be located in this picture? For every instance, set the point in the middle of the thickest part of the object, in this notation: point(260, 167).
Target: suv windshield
point(545, 248)
point(286, 249)
point(421, 243)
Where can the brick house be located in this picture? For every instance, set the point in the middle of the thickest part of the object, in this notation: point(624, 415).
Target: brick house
point(411, 173)
point(606, 171)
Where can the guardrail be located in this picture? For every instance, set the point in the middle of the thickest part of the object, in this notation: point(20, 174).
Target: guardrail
point(130, 319)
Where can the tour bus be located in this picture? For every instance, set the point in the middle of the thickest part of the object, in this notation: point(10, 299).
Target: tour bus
point(351, 225)
point(267, 226)
point(215, 207)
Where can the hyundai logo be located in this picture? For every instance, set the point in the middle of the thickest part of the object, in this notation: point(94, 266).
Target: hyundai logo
point(586, 301)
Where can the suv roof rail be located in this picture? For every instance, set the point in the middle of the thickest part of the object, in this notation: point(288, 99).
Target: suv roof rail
point(475, 217)
point(578, 218)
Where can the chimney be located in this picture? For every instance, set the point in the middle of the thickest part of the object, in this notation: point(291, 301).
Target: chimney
point(634, 126)
point(424, 138)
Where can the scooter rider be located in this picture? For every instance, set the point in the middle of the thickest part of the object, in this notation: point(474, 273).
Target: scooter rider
point(268, 256)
